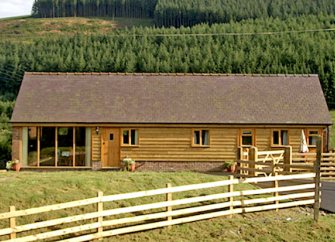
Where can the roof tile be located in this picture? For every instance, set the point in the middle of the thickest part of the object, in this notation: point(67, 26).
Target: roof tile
point(170, 98)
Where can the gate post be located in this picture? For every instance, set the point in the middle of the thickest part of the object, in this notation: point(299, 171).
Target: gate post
point(253, 157)
point(239, 156)
point(288, 159)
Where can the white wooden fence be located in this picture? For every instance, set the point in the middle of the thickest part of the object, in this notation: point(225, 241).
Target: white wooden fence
point(235, 202)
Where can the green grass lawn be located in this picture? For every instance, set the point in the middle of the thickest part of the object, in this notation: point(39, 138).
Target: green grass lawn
point(33, 189)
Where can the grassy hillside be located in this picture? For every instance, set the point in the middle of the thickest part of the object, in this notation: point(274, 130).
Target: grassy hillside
point(25, 189)
point(25, 29)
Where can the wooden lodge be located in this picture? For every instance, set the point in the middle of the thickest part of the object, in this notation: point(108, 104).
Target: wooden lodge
point(166, 122)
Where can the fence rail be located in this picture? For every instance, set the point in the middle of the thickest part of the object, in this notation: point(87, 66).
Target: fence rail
point(234, 202)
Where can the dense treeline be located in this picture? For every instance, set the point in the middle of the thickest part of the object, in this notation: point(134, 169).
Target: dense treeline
point(6, 109)
point(124, 52)
point(182, 12)
point(98, 8)
point(188, 13)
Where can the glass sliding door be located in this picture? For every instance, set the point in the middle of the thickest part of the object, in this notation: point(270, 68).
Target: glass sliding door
point(62, 146)
point(80, 146)
point(47, 146)
point(65, 146)
point(29, 146)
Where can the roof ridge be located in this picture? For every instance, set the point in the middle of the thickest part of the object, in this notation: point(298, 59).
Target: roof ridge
point(169, 74)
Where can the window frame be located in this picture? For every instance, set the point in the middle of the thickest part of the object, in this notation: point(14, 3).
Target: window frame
point(279, 138)
point(252, 135)
point(39, 130)
point(129, 137)
point(200, 145)
point(312, 135)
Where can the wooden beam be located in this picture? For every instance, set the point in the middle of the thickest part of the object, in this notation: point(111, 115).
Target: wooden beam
point(56, 146)
point(231, 198)
point(100, 210)
point(317, 178)
point(38, 146)
point(169, 199)
point(12, 223)
point(74, 147)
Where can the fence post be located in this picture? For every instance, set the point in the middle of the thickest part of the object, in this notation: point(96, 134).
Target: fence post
point(317, 178)
point(273, 167)
point(239, 157)
point(169, 208)
point(288, 159)
point(253, 157)
point(100, 211)
point(12, 223)
point(276, 194)
point(231, 198)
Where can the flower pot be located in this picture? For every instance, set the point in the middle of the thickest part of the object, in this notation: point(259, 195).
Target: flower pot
point(132, 167)
point(16, 167)
point(232, 168)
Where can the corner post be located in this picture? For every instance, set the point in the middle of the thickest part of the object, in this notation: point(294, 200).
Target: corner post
point(288, 159)
point(317, 178)
point(12, 223)
point(169, 199)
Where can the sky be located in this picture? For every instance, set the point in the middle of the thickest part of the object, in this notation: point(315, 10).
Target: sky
point(11, 8)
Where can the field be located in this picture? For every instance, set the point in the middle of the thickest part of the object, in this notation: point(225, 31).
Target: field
point(31, 28)
point(28, 189)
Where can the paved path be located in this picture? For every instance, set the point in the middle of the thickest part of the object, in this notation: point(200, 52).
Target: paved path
point(327, 189)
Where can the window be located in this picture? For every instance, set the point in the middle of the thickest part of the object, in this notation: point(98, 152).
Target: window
point(312, 137)
point(47, 146)
point(52, 146)
point(29, 146)
point(247, 138)
point(200, 138)
point(65, 146)
point(280, 137)
point(130, 137)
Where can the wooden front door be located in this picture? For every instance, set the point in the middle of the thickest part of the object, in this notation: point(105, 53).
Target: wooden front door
point(110, 147)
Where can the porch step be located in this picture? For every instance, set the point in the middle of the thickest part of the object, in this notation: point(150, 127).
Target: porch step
point(111, 169)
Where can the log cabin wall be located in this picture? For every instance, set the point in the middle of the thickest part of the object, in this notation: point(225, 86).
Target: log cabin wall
point(174, 144)
point(96, 145)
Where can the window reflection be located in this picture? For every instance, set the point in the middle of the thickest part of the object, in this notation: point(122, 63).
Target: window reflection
point(65, 147)
point(80, 146)
point(47, 144)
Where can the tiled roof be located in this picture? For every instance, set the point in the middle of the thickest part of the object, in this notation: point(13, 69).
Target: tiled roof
point(170, 98)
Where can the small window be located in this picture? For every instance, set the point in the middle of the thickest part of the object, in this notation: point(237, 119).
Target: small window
point(312, 137)
point(247, 137)
point(201, 138)
point(280, 137)
point(111, 137)
point(130, 137)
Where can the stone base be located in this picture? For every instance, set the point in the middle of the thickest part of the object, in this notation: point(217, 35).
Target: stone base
point(96, 165)
point(177, 166)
